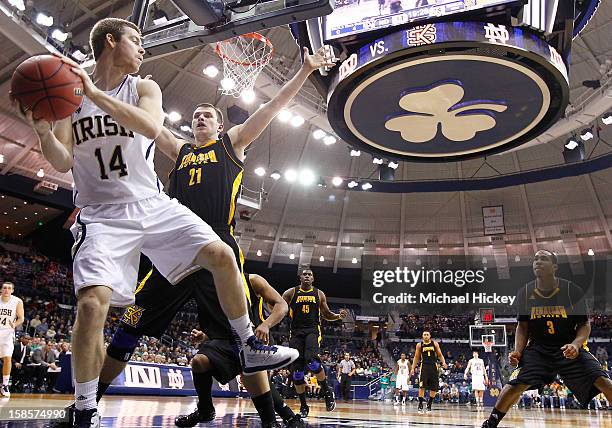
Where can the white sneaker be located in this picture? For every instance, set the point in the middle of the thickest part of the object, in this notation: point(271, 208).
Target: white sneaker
point(256, 357)
point(4, 390)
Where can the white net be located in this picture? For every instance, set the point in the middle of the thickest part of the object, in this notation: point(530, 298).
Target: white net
point(488, 346)
point(243, 59)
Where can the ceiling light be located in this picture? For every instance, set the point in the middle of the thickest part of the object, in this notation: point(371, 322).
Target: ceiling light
point(284, 115)
point(307, 177)
point(59, 35)
point(607, 118)
point(260, 171)
point(321, 259)
point(275, 175)
point(355, 153)
point(352, 184)
point(1, 158)
point(291, 175)
point(336, 181)
point(318, 134)
point(322, 182)
point(40, 173)
point(517, 258)
point(258, 253)
point(331, 198)
point(484, 261)
point(297, 121)
point(366, 186)
point(248, 95)
point(211, 71)
point(354, 261)
point(17, 4)
point(328, 140)
point(186, 128)
point(591, 252)
point(79, 55)
point(174, 116)
point(393, 165)
point(227, 84)
point(586, 134)
point(44, 20)
point(377, 161)
point(292, 256)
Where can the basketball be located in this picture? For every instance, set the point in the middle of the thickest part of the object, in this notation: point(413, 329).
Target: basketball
point(47, 86)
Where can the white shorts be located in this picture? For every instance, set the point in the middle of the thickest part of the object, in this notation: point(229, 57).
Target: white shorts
point(401, 382)
point(478, 383)
point(7, 342)
point(109, 239)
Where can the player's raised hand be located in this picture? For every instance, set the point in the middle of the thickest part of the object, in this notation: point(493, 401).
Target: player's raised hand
point(197, 336)
point(321, 58)
point(343, 313)
point(514, 358)
point(570, 351)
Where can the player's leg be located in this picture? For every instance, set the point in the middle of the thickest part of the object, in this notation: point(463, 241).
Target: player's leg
point(259, 388)
point(604, 385)
point(584, 376)
point(509, 395)
point(88, 347)
point(177, 240)
point(284, 411)
point(6, 350)
point(201, 369)
point(421, 394)
point(311, 356)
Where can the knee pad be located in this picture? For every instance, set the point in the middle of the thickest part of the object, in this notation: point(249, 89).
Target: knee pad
point(122, 346)
point(315, 366)
point(298, 378)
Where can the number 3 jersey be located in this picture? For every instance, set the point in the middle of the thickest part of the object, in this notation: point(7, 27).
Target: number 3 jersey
point(112, 164)
point(554, 318)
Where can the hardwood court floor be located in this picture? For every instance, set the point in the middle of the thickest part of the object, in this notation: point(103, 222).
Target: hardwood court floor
point(141, 412)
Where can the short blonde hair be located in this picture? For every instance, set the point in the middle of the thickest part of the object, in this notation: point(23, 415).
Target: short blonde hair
point(113, 26)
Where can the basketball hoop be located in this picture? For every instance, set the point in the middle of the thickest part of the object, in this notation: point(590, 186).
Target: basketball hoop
point(488, 346)
point(243, 59)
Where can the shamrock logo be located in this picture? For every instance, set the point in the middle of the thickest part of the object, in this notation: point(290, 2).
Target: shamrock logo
point(439, 107)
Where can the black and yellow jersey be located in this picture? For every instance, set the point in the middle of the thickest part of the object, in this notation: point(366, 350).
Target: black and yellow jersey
point(259, 308)
point(304, 309)
point(207, 180)
point(428, 353)
point(553, 318)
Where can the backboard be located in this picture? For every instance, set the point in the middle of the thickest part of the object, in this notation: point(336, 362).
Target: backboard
point(170, 26)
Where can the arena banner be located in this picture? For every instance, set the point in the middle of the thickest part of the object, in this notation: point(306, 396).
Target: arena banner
point(452, 285)
point(160, 379)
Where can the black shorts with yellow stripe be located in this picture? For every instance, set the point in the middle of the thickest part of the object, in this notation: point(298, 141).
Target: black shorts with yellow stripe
point(307, 341)
point(158, 301)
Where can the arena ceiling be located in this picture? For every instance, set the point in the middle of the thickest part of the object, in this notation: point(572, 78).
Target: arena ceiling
point(569, 215)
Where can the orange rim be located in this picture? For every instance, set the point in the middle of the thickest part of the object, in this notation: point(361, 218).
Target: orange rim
point(255, 36)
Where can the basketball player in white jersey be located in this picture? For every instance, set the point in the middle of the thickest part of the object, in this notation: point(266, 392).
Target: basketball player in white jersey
point(11, 317)
point(402, 372)
point(108, 143)
point(480, 380)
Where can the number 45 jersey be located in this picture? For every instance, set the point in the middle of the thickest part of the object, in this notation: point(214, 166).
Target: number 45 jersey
point(112, 164)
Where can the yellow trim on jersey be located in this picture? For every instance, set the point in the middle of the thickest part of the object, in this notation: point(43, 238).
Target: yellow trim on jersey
point(207, 144)
point(232, 156)
point(320, 338)
point(539, 293)
point(290, 313)
point(261, 314)
point(235, 188)
point(142, 283)
point(244, 280)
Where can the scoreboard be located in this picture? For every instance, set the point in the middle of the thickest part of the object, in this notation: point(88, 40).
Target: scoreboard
point(359, 16)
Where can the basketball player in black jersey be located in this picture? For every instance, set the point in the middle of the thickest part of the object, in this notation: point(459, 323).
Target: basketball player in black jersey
point(215, 357)
point(206, 179)
point(551, 335)
point(306, 306)
point(428, 353)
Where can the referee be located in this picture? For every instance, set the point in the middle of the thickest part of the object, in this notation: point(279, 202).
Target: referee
point(345, 373)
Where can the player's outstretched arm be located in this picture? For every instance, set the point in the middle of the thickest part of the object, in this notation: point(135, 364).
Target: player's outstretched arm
point(147, 118)
point(416, 359)
point(243, 135)
point(273, 298)
point(326, 313)
point(169, 144)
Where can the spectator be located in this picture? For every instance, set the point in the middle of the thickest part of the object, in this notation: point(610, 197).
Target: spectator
point(20, 361)
point(33, 324)
point(45, 358)
point(41, 329)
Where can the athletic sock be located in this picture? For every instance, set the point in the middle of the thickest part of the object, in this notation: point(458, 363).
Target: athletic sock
point(302, 398)
point(280, 407)
point(265, 407)
point(242, 327)
point(429, 401)
point(421, 400)
point(202, 383)
point(85, 394)
point(495, 417)
point(5, 379)
point(102, 387)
